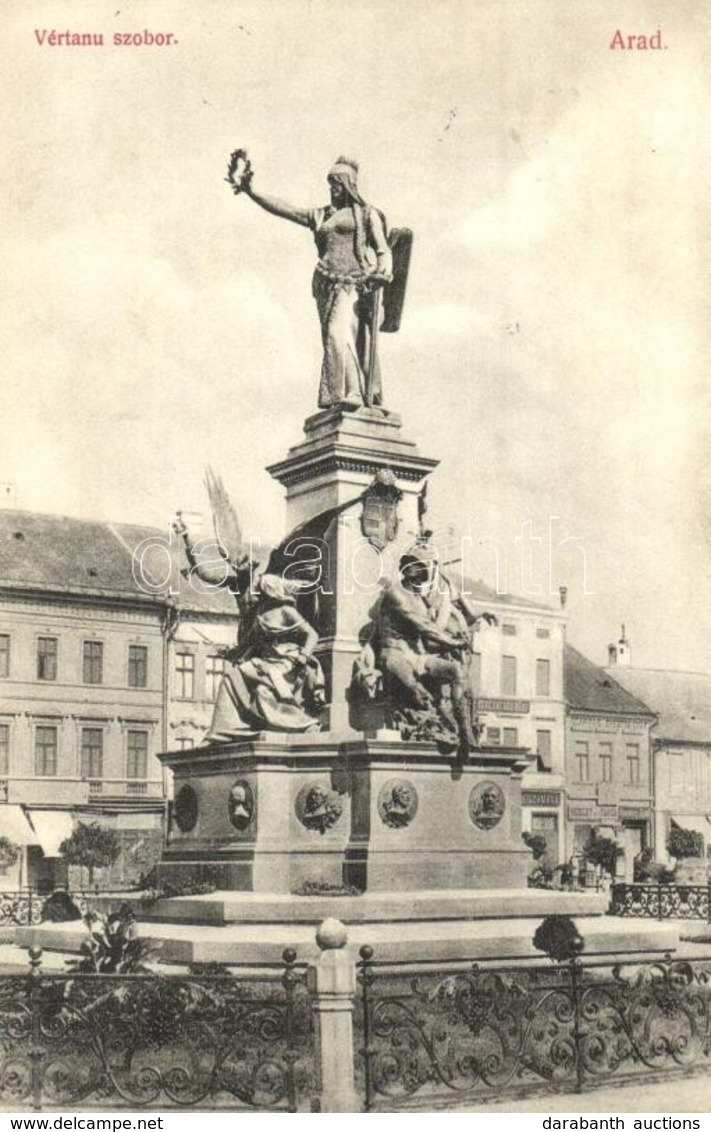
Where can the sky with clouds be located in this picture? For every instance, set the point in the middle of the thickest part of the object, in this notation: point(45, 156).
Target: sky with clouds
point(553, 352)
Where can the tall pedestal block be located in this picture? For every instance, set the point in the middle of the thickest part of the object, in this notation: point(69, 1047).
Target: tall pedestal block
point(326, 477)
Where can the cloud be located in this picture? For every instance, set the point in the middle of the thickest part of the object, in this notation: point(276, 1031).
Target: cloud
point(115, 335)
point(444, 320)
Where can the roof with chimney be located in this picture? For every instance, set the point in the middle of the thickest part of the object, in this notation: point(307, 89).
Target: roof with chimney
point(588, 687)
point(54, 554)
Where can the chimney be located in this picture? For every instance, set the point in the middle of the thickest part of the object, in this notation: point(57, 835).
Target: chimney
point(619, 655)
point(8, 494)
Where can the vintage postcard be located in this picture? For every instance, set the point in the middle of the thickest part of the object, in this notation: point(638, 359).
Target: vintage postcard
point(355, 678)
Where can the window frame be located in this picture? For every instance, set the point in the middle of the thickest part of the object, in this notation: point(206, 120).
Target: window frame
point(89, 643)
point(135, 666)
point(213, 676)
point(634, 778)
point(605, 755)
point(545, 758)
point(42, 639)
point(87, 766)
point(4, 749)
point(130, 752)
point(543, 668)
point(180, 674)
point(582, 759)
point(43, 747)
point(510, 670)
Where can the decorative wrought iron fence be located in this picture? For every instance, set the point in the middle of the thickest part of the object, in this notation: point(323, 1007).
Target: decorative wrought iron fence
point(141, 1041)
point(662, 901)
point(26, 906)
point(20, 907)
point(461, 1031)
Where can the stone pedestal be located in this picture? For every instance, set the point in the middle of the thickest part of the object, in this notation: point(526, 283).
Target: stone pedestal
point(342, 452)
point(332, 468)
point(286, 814)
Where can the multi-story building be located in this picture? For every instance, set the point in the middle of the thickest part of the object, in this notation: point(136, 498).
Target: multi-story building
point(101, 667)
point(609, 784)
point(681, 746)
point(519, 676)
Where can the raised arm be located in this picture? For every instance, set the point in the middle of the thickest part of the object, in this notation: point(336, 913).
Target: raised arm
point(278, 207)
point(240, 175)
point(218, 576)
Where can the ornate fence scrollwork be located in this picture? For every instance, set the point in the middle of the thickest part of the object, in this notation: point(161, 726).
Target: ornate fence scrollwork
point(137, 1041)
point(20, 907)
point(662, 901)
point(472, 1032)
point(25, 907)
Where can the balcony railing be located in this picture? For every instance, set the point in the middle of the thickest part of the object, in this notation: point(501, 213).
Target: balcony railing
point(127, 788)
point(662, 901)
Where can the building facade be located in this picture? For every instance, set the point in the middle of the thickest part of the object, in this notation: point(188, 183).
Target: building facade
point(90, 659)
point(518, 671)
point(681, 748)
point(609, 773)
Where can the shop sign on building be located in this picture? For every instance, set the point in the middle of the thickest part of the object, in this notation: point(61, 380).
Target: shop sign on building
point(591, 812)
point(604, 725)
point(540, 798)
point(513, 707)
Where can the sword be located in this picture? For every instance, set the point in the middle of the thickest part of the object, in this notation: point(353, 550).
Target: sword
point(374, 327)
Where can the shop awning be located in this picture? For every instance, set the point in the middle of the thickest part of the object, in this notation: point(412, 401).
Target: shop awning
point(15, 826)
point(52, 828)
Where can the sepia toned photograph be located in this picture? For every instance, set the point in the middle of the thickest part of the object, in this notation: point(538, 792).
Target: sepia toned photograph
point(355, 602)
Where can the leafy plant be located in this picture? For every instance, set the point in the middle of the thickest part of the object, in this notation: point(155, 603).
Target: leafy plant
point(541, 877)
point(536, 842)
point(113, 947)
point(180, 888)
point(684, 842)
point(91, 847)
point(325, 888)
point(559, 937)
point(602, 851)
point(649, 871)
point(9, 852)
point(60, 907)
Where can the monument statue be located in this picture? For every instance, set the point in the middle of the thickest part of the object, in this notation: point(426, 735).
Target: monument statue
point(360, 276)
point(420, 644)
point(272, 680)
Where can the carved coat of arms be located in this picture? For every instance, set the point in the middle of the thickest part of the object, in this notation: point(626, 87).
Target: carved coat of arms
point(380, 520)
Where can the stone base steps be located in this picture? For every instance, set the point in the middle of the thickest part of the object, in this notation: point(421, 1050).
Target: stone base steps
point(501, 939)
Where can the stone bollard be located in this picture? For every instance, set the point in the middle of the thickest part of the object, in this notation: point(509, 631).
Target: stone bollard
point(332, 983)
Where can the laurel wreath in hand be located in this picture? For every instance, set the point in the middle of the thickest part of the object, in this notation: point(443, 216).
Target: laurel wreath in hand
point(239, 171)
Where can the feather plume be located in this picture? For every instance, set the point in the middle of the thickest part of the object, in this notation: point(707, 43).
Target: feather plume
point(228, 531)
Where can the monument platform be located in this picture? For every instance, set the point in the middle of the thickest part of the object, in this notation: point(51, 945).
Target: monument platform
point(279, 814)
point(392, 937)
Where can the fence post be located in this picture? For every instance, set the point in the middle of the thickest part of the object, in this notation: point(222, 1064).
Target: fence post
point(36, 1050)
point(575, 969)
point(332, 985)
